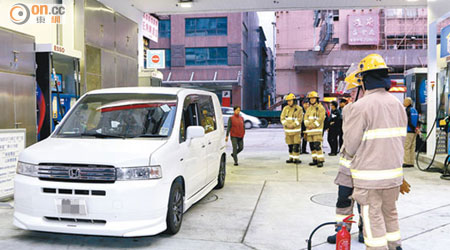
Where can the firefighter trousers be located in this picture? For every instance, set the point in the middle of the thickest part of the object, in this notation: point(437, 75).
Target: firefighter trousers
point(344, 206)
point(380, 217)
point(315, 143)
point(293, 142)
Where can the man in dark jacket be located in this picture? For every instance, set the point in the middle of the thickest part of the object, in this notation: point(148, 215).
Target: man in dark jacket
point(334, 128)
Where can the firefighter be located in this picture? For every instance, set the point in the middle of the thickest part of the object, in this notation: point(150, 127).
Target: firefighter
point(291, 118)
point(314, 122)
point(345, 203)
point(374, 136)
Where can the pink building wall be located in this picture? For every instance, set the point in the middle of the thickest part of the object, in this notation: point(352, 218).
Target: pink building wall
point(295, 32)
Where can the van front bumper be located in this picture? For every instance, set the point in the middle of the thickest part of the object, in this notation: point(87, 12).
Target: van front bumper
point(123, 208)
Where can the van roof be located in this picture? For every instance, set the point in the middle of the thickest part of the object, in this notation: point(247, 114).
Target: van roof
point(147, 90)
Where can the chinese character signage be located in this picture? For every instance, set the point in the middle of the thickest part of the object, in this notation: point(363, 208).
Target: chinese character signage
point(12, 142)
point(363, 29)
point(156, 59)
point(150, 27)
point(445, 41)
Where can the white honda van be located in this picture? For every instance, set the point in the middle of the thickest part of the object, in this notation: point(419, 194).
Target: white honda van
point(123, 162)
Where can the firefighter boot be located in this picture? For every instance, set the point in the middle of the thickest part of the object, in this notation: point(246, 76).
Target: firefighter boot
point(297, 161)
point(313, 163)
point(331, 239)
point(290, 160)
point(319, 164)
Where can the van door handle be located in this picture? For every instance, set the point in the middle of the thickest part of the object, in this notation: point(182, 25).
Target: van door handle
point(203, 146)
point(209, 143)
point(181, 159)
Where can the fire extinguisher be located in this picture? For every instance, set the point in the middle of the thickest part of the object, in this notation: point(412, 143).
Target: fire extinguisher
point(343, 237)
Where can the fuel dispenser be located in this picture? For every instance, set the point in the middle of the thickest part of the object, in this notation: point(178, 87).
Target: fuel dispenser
point(416, 88)
point(58, 85)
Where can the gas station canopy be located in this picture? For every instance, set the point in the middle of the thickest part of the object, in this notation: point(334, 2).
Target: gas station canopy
point(205, 6)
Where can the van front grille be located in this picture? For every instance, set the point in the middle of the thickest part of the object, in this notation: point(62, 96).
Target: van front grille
point(75, 220)
point(77, 173)
point(74, 191)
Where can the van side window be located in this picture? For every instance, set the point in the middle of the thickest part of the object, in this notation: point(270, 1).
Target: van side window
point(207, 114)
point(189, 115)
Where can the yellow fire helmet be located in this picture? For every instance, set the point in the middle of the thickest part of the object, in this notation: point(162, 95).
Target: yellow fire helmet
point(313, 94)
point(371, 62)
point(352, 80)
point(290, 97)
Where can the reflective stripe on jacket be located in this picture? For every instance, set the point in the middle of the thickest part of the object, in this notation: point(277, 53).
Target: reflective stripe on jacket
point(292, 116)
point(315, 117)
point(374, 135)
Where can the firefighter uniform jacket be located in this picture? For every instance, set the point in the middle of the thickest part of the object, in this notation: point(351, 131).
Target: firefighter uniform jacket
point(292, 116)
point(315, 117)
point(374, 136)
point(344, 176)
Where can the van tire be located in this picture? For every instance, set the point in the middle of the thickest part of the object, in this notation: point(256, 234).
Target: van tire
point(248, 125)
point(175, 208)
point(222, 174)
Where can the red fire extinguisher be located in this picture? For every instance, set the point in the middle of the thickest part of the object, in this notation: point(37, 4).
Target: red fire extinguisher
point(343, 237)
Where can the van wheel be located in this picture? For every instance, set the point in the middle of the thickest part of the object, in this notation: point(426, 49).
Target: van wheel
point(222, 174)
point(248, 125)
point(175, 209)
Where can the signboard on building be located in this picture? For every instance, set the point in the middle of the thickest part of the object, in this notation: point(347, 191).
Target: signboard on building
point(445, 41)
point(226, 98)
point(150, 27)
point(156, 59)
point(12, 142)
point(363, 29)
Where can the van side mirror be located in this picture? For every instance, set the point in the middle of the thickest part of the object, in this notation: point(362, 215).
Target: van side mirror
point(195, 132)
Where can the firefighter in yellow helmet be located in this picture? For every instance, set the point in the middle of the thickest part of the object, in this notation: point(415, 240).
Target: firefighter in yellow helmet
point(314, 122)
point(345, 203)
point(291, 118)
point(374, 135)
point(207, 122)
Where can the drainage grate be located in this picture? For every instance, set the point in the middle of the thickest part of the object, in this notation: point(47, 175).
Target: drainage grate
point(326, 199)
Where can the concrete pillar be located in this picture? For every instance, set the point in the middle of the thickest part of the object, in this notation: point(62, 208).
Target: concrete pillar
point(438, 10)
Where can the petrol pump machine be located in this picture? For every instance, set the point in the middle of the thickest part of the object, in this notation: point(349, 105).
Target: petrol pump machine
point(58, 85)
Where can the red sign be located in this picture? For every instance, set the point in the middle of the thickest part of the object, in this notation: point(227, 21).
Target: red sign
point(363, 29)
point(155, 59)
point(226, 98)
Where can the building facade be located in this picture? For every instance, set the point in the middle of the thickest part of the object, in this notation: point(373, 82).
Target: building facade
point(315, 48)
point(223, 53)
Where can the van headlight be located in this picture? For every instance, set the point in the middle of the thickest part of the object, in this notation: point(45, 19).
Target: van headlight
point(27, 169)
point(138, 173)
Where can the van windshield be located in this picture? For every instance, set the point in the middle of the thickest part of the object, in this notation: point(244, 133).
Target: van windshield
point(121, 116)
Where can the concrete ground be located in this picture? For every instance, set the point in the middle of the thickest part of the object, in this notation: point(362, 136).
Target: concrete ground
point(266, 204)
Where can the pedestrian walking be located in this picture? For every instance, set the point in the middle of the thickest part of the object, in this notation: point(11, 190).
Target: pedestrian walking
point(374, 136)
point(236, 129)
point(342, 103)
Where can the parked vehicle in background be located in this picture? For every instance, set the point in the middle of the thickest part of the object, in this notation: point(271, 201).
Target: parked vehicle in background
point(123, 162)
point(249, 121)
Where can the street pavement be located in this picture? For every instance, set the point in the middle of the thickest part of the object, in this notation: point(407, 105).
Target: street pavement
point(266, 204)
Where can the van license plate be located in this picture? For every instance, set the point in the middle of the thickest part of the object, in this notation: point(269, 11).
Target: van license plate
point(71, 206)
